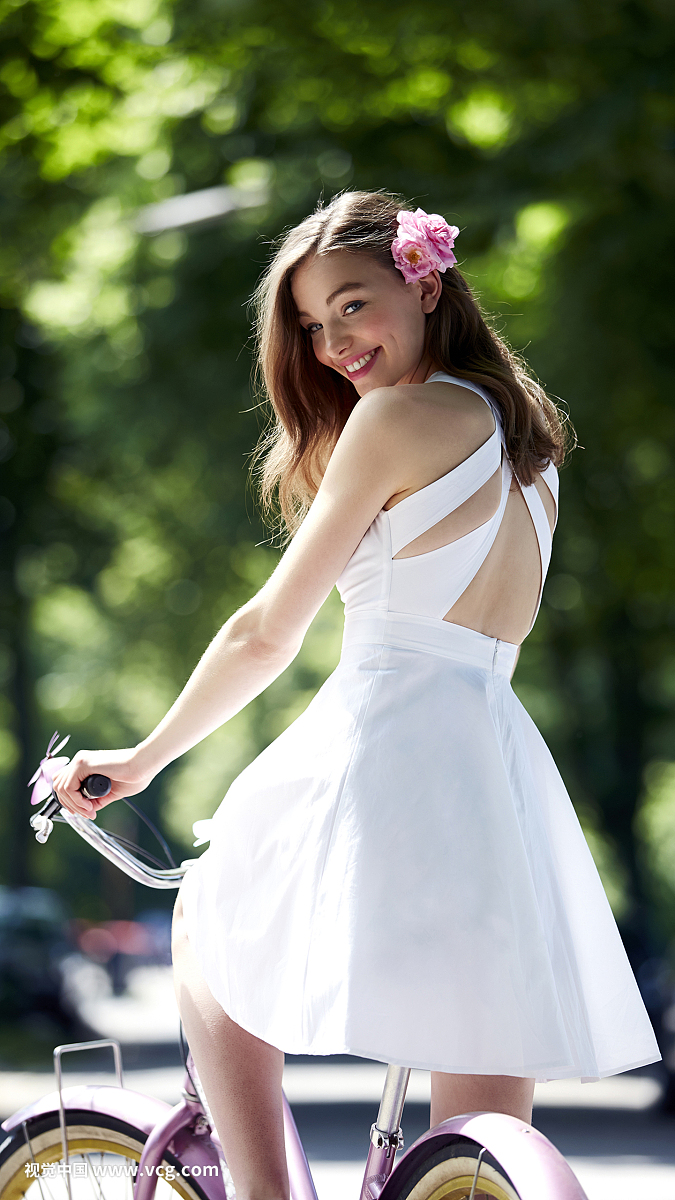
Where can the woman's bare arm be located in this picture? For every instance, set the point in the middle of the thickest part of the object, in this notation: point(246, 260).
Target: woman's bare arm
point(259, 641)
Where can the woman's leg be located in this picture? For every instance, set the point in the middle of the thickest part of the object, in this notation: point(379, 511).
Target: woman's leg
point(453, 1094)
point(241, 1077)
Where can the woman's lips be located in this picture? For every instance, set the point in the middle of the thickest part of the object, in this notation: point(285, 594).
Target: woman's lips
point(370, 357)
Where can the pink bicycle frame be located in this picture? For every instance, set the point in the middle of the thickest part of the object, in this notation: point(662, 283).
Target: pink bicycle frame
point(182, 1131)
point(186, 1122)
point(185, 1133)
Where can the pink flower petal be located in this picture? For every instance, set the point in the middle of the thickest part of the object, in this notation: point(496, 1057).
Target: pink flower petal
point(41, 791)
point(52, 766)
point(49, 767)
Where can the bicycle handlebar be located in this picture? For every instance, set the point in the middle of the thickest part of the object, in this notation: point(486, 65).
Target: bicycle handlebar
point(101, 840)
point(95, 787)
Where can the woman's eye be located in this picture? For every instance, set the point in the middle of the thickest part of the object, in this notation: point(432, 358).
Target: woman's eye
point(355, 305)
point(312, 328)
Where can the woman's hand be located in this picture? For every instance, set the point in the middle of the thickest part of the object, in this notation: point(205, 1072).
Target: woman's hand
point(122, 767)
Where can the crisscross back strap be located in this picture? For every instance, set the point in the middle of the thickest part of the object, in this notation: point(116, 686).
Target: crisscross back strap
point(478, 544)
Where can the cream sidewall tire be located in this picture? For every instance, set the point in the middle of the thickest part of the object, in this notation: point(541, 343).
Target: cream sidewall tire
point(452, 1178)
point(84, 1138)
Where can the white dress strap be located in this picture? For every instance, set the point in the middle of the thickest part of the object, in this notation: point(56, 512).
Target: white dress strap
point(550, 477)
point(424, 508)
point(540, 521)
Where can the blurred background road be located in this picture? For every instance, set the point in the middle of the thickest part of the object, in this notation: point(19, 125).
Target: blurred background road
point(613, 1133)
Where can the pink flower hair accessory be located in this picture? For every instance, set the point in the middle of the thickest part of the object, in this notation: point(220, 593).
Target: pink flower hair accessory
point(49, 767)
point(423, 244)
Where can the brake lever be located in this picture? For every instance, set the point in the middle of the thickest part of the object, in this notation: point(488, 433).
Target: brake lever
point(41, 821)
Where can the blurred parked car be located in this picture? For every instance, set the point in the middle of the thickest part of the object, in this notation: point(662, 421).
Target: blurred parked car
point(34, 941)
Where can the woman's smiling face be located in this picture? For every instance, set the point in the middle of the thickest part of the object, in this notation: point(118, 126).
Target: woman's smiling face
point(364, 320)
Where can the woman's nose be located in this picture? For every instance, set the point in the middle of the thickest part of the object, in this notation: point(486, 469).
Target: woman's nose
point(336, 339)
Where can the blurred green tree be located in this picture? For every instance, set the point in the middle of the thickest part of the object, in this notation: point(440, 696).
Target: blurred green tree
point(545, 129)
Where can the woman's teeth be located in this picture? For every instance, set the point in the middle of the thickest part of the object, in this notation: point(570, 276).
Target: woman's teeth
point(356, 366)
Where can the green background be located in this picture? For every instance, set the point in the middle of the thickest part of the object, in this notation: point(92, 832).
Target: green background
point(546, 131)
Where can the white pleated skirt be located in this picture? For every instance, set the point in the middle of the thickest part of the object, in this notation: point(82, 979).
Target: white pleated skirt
point(401, 876)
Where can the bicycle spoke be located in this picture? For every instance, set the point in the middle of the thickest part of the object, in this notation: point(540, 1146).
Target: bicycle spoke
point(49, 1192)
point(32, 1156)
point(40, 1181)
point(91, 1175)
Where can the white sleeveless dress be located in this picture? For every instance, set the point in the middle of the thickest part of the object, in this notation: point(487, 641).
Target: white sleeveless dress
point(401, 875)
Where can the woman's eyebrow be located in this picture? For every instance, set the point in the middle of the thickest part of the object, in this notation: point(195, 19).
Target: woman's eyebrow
point(344, 287)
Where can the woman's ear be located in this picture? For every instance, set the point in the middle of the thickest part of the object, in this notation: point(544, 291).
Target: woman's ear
point(431, 291)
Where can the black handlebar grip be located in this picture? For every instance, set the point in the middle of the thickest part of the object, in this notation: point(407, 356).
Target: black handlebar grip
point(95, 787)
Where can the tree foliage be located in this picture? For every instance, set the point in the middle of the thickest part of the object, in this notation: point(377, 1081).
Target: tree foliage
point(544, 128)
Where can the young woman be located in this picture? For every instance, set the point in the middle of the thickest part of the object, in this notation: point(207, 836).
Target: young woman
point(400, 875)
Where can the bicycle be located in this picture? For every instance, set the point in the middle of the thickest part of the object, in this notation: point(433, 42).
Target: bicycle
point(76, 1139)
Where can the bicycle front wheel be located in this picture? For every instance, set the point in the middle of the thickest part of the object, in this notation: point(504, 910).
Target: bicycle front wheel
point(103, 1154)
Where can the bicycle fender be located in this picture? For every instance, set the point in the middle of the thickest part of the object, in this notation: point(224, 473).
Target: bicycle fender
point(136, 1109)
point(538, 1170)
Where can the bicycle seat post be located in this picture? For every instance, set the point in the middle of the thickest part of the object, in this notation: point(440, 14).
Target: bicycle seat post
point(388, 1124)
point(386, 1135)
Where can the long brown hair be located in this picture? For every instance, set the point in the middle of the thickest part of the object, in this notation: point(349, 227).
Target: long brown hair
point(311, 402)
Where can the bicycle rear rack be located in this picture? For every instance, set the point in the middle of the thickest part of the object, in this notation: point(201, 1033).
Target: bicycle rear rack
point(59, 1051)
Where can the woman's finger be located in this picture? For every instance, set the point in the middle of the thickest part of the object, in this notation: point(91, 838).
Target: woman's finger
point(67, 793)
point(67, 784)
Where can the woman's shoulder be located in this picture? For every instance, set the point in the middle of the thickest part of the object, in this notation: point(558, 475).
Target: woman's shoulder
point(402, 438)
point(424, 411)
